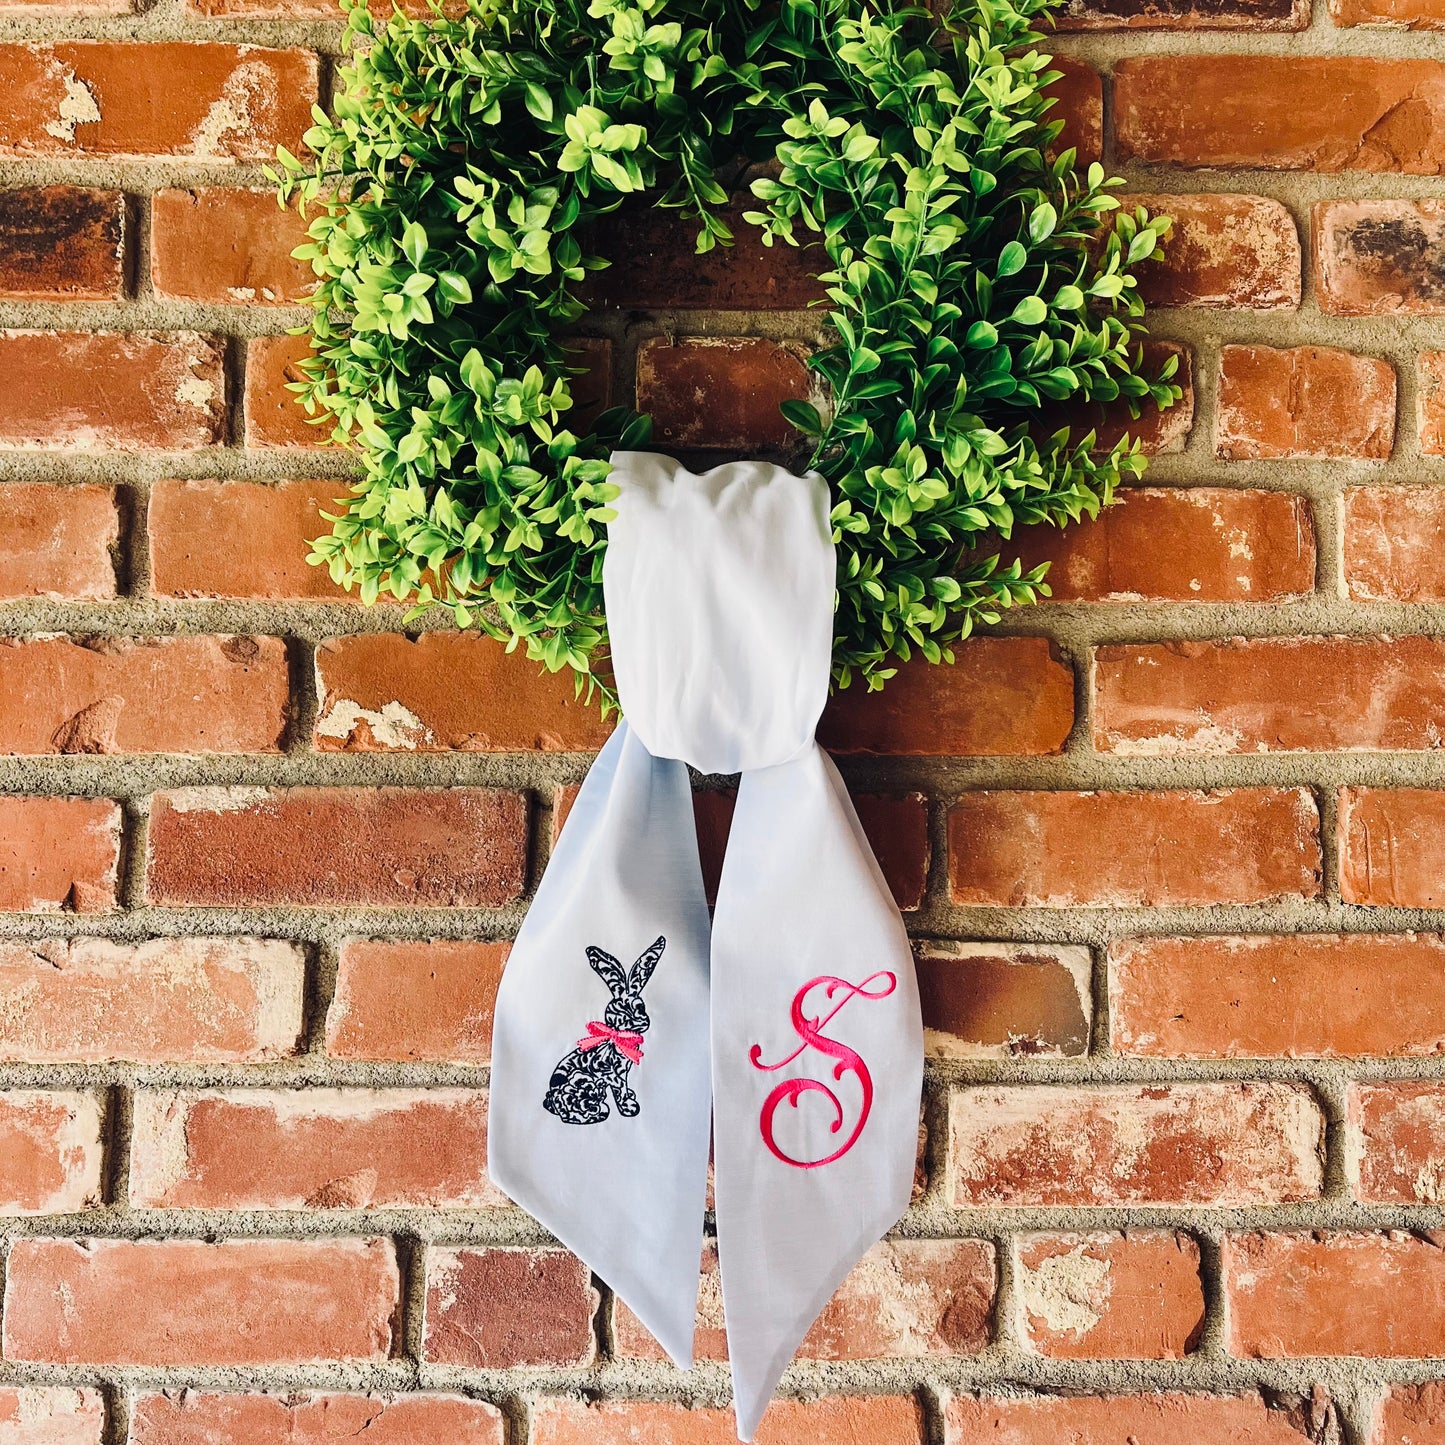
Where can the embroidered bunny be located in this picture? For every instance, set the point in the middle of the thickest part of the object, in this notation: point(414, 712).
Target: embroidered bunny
point(603, 1058)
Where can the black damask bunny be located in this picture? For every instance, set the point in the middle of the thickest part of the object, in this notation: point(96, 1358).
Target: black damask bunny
point(603, 1059)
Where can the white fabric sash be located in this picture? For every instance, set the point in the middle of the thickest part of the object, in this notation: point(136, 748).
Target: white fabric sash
point(719, 591)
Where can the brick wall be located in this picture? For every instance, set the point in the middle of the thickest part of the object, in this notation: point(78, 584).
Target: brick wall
point(1171, 846)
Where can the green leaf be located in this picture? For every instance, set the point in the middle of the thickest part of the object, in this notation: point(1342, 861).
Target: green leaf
point(413, 242)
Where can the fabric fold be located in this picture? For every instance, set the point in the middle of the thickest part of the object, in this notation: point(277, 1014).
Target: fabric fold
point(624, 1020)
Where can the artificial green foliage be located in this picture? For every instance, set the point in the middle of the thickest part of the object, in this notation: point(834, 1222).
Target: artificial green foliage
point(970, 292)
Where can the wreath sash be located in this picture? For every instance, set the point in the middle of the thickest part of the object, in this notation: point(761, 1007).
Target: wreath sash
point(812, 1062)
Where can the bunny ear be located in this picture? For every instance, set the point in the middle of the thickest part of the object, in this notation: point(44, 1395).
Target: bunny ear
point(608, 970)
point(642, 969)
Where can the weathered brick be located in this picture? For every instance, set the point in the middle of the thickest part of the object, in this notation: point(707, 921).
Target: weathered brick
point(58, 541)
point(1135, 1295)
point(1282, 112)
point(333, 847)
point(1392, 846)
point(1305, 401)
point(1161, 1419)
point(447, 692)
point(143, 695)
point(51, 1154)
point(1379, 257)
point(833, 1420)
point(184, 1302)
point(131, 101)
point(1184, 15)
point(654, 267)
point(1128, 849)
point(905, 1299)
point(1395, 1143)
point(1396, 15)
point(58, 854)
point(502, 1308)
point(275, 418)
point(1002, 696)
point(426, 1002)
point(51, 1415)
point(1179, 544)
point(720, 391)
point(1223, 251)
point(1297, 1295)
point(310, 1149)
point(167, 1000)
point(227, 247)
point(268, 529)
point(1394, 544)
point(194, 1417)
point(1242, 695)
point(1411, 1415)
point(1312, 995)
point(1430, 366)
point(62, 243)
point(1078, 96)
point(101, 391)
point(1215, 1145)
point(1004, 1000)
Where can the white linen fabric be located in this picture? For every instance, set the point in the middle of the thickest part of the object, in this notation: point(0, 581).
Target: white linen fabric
point(719, 591)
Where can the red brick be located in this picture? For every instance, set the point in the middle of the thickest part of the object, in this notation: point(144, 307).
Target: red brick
point(268, 529)
point(1214, 1145)
point(501, 1308)
point(45, 1415)
point(51, 1153)
point(1396, 15)
point(58, 541)
point(1224, 250)
point(184, 1302)
point(58, 854)
point(906, 1299)
point(1395, 1149)
point(1078, 96)
point(1392, 846)
point(334, 847)
point(143, 695)
point(1297, 1295)
point(1411, 1415)
point(310, 1149)
point(1379, 257)
point(410, 1002)
point(1308, 401)
point(1002, 696)
point(104, 391)
point(1004, 1000)
point(1179, 544)
point(1282, 112)
point(191, 1417)
point(275, 418)
point(720, 391)
point(833, 1420)
point(1312, 995)
point(1395, 544)
point(227, 247)
point(447, 692)
point(1133, 849)
point(1132, 1296)
point(655, 267)
point(1431, 368)
point(130, 101)
point(1155, 430)
point(1163, 1419)
point(167, 1000)
point(62, 243)
point(1242, 695)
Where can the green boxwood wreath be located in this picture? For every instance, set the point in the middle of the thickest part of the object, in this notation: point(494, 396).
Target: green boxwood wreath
point(974, 283)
